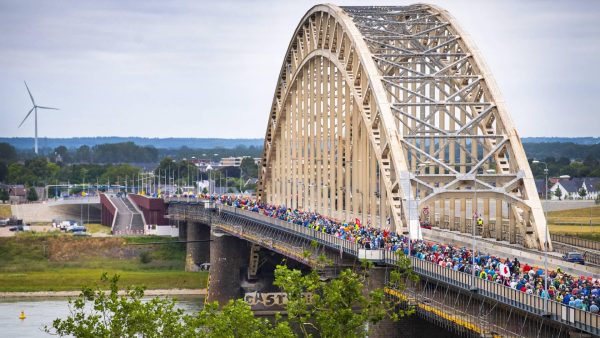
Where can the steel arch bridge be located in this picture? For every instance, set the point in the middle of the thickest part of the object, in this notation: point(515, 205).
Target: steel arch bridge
point(390, 114)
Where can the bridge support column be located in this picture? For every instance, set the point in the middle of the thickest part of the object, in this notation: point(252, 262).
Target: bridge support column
point(197, 253)
point(182, 227)
point(228, 257)
point(385, 328)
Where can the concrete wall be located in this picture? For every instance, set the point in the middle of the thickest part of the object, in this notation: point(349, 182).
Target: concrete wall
point(154, 209)
point(43, 212)
point(108, 211)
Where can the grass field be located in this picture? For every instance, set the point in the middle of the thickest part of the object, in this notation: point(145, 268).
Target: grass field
point(575, 216)
point(73, 279)
point(576, 222)
point(97, 228)
point(5, 211)
point(60, 262)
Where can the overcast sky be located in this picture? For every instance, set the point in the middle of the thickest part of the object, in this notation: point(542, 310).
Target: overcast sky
point(208, 68)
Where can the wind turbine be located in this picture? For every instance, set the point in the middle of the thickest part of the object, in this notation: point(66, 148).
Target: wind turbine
point(35, 108)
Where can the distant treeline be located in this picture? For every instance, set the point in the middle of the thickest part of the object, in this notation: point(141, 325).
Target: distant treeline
point(567, 150)
point(47, 144)
point(129, 152)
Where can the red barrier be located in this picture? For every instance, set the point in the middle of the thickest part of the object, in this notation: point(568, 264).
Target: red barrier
point(154, 209)
point(108, 211)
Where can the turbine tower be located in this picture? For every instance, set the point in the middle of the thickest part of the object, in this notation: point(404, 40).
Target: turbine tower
point(34, 109)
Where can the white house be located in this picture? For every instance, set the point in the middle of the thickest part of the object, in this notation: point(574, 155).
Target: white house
point(570, 188)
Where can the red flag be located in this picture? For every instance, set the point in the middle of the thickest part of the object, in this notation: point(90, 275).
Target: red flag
point(357, 221)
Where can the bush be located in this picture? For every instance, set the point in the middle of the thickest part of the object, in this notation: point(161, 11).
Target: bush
point(32, 195)
point(145, 257)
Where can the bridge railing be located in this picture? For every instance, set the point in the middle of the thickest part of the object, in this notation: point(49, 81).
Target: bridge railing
point(321, 237)
point(583, 320)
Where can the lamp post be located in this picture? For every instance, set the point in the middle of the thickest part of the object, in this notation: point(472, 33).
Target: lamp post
point(546, 234)
point(421, 165)
point(475, 207)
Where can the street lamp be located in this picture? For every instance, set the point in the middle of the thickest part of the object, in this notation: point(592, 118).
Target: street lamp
point(362, 207)
point(421, 165)
point(545, 236)
point(475, 207)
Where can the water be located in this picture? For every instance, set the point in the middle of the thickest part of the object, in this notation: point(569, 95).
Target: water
point(42, 311)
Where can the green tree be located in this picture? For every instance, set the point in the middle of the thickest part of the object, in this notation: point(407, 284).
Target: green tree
point(558, 193)
point(83, 154)
point(119, 172)
point(96, 313)
point(336, 308)
point(3, 171)
point(8, 153)
point(235, 320)
point(63, 153)
point(340, 307)
point(4, 195)
point(32, 195)
point(249, 167)
point(21, 174)
point(582, 192)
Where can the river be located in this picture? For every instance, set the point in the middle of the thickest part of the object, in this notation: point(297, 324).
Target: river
point(42, 311)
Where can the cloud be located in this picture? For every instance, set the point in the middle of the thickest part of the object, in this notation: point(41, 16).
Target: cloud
point(208, 69)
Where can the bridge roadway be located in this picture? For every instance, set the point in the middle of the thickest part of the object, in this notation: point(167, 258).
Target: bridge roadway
point(292, 241)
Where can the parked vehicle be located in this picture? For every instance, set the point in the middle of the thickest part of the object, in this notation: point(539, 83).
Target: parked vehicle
point(14, 221)
point(68, 225)
point(574, 257)
point(204, 266)
point(19, 228)
point(426, 225)
point(77, 228)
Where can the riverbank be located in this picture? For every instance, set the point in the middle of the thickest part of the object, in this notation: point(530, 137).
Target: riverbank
point(150, 293)
point(69, 279)
point(57, 262)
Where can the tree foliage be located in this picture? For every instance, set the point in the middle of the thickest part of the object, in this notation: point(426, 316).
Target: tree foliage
point(99, 313)
point(337, 308)
point(249, 167)
point(558, 193)
point(4, 195)
point(32, 195)
point(8, 153)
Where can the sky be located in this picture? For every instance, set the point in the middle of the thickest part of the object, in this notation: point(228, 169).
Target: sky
point(209, 68)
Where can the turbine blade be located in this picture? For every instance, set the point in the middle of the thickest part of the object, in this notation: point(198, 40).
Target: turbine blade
point(42, 107)
point(26, 116)
point(31, 96)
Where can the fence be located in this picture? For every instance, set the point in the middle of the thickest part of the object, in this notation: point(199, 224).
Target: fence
point(576, 241)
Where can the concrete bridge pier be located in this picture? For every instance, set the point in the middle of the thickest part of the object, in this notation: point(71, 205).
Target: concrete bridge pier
point(385, 328)
point(182, 227)
point(229, 258)
point(197, 253)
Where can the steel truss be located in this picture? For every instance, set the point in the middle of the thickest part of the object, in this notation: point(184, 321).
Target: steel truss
point(376, 107)
point(468, 314)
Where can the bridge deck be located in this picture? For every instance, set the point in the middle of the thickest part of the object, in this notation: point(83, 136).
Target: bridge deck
point(534, 305)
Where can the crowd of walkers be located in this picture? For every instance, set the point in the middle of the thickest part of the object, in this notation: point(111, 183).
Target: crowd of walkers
point(576, 291)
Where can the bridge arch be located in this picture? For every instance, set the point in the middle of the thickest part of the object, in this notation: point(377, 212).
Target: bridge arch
point(390, 115)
